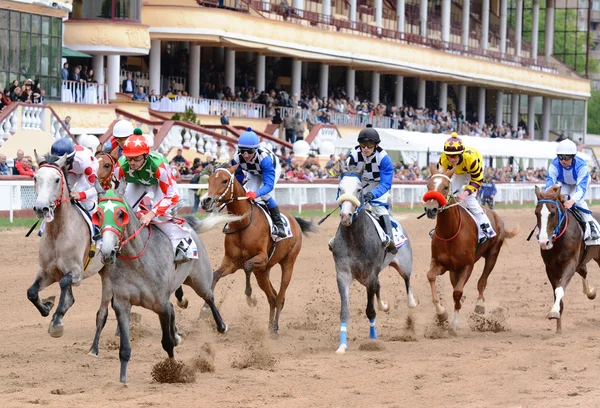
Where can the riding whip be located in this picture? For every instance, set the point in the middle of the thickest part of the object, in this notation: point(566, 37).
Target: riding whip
point(531, 233)
point(32, 228)
point(327, 216)
point(140, 199)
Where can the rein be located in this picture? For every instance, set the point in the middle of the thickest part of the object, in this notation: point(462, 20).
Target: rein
point(562, 216)
point(59, 200)
point(457, 232)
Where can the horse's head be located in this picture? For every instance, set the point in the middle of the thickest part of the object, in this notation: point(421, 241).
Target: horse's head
point(550, 214)
point(112, 218)
point(350, 189)
point(220, 188)
point(439, 190)
point(50, 185)
point(106, 164)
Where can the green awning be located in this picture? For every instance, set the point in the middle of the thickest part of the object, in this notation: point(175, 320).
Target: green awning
point(69, 53)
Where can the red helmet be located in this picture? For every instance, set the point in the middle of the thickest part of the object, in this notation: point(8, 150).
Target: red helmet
point(136, 146)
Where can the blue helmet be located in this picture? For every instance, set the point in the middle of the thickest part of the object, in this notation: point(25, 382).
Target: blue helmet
point(248, 139)
point(62, 147)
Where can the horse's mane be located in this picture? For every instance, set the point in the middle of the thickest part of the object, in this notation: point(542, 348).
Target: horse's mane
point(552, 194)
point(49, 158)
point(353, 169)
point(224, 165)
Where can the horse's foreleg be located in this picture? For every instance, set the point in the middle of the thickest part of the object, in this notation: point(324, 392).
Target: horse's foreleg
point(412, 302)
point(259, 262)
point(167, 323)
point(102, 314)
point(433, 273)
point(262, 277)
point(372, 290)
point(490, 262)
point(221, 325)
point(227, 267)
point(122, 310)
point(344, 280)
point(57, 328)
point(182, 302)
point(459, 280)
point(40, 283)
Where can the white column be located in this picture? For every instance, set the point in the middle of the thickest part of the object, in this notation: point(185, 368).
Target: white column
point(481, 107)
point(155, 66)
point(549, 38)
point(261, 63)
point(462, 97)
point(423, 16)
point(514, 110)
point(535, 26)
point(446, 6)
point(230, 69)
point(350, 82)
point(485, 24)
point(466, 16)
point(499, 107)
point(352, 16)
point(98, 67)
point(378, 14)
point(519, 28)
point(443, 102)
point(531, 116)
point(113, 73)
point(375, 86)
point(324, 81)
point(401, 14)
point(422, 88)
point(546, 110)
point(296, 77)
point(399, 90)
point(327, 8)
point(503, 16)
point(299, 5)
point(194, 71)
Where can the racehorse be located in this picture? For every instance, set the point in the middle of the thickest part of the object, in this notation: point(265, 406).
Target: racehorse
point(64, 245)
point(106, 166)
point(359, 254)
point(455, 246)
point(248, 243)
point(140, 271)
point(562, 247)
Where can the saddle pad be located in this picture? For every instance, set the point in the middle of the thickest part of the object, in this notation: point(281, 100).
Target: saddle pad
point(480, 233)
point(87, 219)
point(398, 234)
point(286, 225)
point(191, 248)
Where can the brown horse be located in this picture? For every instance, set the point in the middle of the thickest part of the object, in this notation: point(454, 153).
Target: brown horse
point(248, 243)
point(455, 247)
point(562, 247)
point(107, 162)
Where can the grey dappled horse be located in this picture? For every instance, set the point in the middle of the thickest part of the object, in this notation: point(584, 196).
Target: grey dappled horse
point(64, 245)
point(141, 272)
point(359, 254)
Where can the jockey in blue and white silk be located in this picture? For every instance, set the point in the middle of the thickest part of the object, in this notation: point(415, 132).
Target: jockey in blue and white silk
point(263, 170)
point(376, 178)
point(571, 172)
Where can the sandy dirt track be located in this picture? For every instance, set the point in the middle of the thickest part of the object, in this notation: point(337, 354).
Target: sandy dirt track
point(525, 366)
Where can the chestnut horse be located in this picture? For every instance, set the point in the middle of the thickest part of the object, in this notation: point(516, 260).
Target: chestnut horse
point(248, 243)
point(454, 246)
point(106, 165)
point(562, 247)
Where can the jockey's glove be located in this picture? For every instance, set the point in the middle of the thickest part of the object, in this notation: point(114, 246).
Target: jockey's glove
point(369, 197)
point(251, 195)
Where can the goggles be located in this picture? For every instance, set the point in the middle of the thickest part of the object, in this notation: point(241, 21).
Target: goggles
point(244, 150)
point(367, 145)
point(565, 157)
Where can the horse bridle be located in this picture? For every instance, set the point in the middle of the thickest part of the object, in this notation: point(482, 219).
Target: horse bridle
point(557, 233)
point(63, 183)
point(347, 197)
point(106, 183)
point(449, 195)
point(229, 190)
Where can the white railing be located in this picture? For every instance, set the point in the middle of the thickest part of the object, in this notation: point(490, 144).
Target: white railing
point(83, 92)
point(180, 137)
point(209, 107)
point(139, 78)
point(19, 194)
point(343, 119)
point(32, 117)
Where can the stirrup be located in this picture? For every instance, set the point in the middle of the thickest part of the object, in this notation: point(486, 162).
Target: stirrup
point(280, 232)
point(180, 256)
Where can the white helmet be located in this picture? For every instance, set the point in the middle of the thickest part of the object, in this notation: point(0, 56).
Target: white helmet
point(123, 128)
point(566, 147)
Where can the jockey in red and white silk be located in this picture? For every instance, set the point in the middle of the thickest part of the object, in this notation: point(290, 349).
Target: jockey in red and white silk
point(82, 177)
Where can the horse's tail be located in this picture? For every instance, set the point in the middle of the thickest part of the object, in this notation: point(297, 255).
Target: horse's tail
point(211, 221)
point(512, 233)
point(306, 226)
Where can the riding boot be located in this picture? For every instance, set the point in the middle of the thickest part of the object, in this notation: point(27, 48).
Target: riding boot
point(278, 222)
point(391, 246)
point(594, 235)
point(181, 254)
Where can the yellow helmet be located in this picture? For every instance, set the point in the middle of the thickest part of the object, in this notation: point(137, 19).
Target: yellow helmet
point(454, 146)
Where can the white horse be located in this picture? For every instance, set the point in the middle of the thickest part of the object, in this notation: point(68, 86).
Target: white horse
point(65, 244)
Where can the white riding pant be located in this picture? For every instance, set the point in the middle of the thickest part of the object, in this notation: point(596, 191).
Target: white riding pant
point(378, 210)
point(459, 181)
point(570, 190)
point(175, 232)
point(255, 182)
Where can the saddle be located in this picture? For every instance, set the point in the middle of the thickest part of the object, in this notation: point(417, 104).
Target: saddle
point(286, 224)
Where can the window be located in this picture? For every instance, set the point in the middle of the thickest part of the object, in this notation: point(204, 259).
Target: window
point(106, 9)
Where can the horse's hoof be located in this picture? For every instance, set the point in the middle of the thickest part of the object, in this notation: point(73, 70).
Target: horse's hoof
point(225, 330)
point(480, 309)
point(442, 317)
point(205, 312)
point(341, 349)
point(591, 295)
point(251, 300)
point(412, 303)
point(183, 304)
point(553, 315)
point(93, 353)
point(178, 339)
point(56, 331)
point(48, 304)
point(383, 306)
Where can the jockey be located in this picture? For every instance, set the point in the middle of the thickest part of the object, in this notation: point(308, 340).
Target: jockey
point(468, 175)
point(121, 131)
point(571, 172)
point(82, 174)
point(263, 170)
point(377, 178)
point(146, 171)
